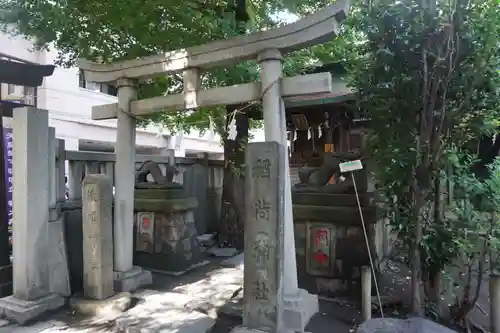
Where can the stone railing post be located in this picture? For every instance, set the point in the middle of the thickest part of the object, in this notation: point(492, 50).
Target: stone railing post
point(57, 254)
point(127, 277)
point(61, 170)
point(30, 199)
point(76, 170)
point(299, 305)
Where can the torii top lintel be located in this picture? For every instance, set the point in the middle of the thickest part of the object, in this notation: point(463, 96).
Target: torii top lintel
point(311, 30)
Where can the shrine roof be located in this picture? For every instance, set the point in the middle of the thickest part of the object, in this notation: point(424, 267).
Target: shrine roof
point(14, 71)
point(24, 74)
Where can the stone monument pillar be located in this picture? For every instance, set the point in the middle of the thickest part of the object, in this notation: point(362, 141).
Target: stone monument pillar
point(127, 277)
point(264, 243)
point(30, 242)
point(97, 225)
point(299, 305)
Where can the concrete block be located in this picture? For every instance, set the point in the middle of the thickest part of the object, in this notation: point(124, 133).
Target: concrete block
point(132, 280)
point(21, 311)
point(299, 310)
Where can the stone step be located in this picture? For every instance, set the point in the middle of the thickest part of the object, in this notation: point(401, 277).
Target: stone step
point(330, 199)
point(337, 215)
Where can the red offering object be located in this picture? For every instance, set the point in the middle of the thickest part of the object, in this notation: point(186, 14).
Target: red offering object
point(319, 252)
point(320, 257)
point(146, 222)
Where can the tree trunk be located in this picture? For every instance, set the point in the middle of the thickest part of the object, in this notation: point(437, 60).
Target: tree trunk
point(231, 233)
point(421, 186)
point(233, 192)
point(416, 302)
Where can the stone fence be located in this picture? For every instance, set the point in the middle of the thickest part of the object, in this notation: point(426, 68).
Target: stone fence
point(202, 178)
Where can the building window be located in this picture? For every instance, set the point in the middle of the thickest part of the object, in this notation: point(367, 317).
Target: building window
point(81, 79)
point(113, 91)
point(16, 93)
point(93, 86)
point(83, 83)
point(29, 95)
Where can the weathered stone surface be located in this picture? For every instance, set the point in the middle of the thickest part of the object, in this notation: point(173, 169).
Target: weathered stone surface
point(264, 237)
point(97, 226)
point(394, 325)
point(132, 279)
point(165, 313)
point(299, 309)
point(111, 306)
point(168, 244)
point(21, 311)
point(30, 203)
point(58, 259)
point(30, 218)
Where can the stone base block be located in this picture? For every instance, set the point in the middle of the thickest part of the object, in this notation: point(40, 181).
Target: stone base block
point(21, 311)
point(132, 280)
point(299, 309)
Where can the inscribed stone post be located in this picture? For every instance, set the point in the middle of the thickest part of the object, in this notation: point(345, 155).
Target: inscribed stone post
point(97, 196)
point(30, 203)
point(262, 309)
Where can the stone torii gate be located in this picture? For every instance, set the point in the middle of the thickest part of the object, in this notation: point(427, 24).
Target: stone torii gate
point(267, 47)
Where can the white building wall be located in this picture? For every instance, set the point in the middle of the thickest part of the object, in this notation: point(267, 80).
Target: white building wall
point(18, 47)
point(70, 108)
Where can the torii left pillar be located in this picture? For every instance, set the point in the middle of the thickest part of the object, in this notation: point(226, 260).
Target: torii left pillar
point(126, 276)
point(299, 305)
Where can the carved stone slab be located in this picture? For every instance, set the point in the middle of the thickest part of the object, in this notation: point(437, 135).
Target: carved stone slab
point(262, 309)
point(97, 223)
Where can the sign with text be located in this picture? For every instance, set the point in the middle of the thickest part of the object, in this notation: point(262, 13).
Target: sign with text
point(97, 228)
point(264, 248)
point(8, 155)
point(350, 166)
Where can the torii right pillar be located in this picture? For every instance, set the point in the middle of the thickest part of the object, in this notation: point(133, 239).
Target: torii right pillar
point(299, 305)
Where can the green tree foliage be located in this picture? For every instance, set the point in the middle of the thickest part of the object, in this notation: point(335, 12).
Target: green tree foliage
point(126, 29)
point(427, 75)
